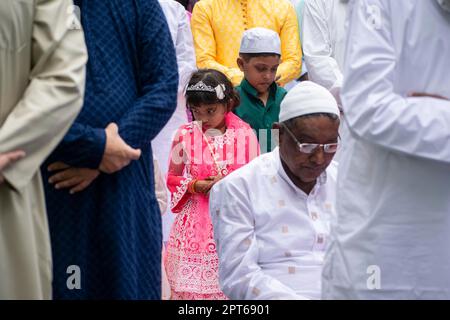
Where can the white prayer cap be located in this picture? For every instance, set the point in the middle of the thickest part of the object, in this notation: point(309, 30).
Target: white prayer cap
point(260, 40)
point(307, 98)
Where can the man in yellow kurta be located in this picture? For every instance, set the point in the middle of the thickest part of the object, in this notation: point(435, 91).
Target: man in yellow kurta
point(218, 25)
point(42, 77)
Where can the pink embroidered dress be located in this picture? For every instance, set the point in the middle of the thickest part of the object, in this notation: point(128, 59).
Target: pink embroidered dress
point(191, 259)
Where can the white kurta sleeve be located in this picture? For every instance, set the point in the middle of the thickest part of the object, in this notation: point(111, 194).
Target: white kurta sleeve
point(184, 46)
point(317, 47)
point(374, 111)
point(54, 95)
point(160, 187)
point(240, 276)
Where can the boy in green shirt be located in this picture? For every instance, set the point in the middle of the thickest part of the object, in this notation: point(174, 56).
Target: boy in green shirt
point(259, 58)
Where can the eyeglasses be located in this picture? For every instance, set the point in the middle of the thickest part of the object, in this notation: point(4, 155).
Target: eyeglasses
point(310, 148)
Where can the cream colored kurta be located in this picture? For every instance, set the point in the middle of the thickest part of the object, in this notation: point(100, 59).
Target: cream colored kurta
point(42, 77)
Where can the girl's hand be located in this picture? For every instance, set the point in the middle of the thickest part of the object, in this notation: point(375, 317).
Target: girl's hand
point(216, 179)
point(203, 186)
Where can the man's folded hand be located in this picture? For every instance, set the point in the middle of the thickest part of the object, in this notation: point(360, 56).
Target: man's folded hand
point(77, 179)
point(117, 154)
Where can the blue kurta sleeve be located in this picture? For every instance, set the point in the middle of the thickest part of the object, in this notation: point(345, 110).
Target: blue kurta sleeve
point(157, 82)
point(157, 76)
point(83, 146)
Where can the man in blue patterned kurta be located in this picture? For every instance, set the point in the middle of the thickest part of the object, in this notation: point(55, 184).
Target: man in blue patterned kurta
point(104, 220)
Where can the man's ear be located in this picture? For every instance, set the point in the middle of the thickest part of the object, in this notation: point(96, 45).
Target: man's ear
point(240, 63)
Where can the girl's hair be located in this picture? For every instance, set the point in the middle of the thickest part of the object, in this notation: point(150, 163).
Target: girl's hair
point(212, 78)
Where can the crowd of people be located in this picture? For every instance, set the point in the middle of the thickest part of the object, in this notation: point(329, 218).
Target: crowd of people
point(224, 149)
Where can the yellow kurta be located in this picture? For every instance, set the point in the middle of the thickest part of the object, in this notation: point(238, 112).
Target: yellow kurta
point(218, 25)
point(42, 77)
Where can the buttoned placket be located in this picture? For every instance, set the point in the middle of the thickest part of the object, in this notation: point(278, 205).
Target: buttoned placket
point(266, 109)
point(320, 228)
point(244, 7)
point(317, 221)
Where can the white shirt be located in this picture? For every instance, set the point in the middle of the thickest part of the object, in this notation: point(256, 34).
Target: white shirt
point(271, 236)
point(323, 30)
point(393, 206)
point(295, 2)
point(180, 30)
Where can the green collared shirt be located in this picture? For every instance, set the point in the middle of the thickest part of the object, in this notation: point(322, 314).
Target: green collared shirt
point(258, 116)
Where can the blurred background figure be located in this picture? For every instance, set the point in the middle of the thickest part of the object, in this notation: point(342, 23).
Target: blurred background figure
point(392, 232)
point(180, 31)
point(323, 34)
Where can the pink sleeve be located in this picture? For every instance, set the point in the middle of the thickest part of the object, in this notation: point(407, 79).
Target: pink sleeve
point(177, 178)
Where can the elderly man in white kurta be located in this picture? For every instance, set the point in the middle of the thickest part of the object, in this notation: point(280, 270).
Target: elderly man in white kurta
point(392, 236)
point(272, 217)
point(42, 74)
point(323, 34)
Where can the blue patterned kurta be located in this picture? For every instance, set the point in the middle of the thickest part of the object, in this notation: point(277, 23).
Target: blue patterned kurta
point(112, 230)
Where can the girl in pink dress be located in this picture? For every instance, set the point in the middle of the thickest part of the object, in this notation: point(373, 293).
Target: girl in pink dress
point(204, 151)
